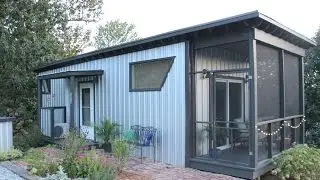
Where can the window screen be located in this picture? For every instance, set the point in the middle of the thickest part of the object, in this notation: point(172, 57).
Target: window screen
point(268, 83)
point(46, 86)
point(149, 75)
point(292, 87)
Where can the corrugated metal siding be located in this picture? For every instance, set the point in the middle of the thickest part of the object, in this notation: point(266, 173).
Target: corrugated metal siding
point(45, 122)
point(57, 95)
point(164, 110)
point(211, 58)
point(5, 136)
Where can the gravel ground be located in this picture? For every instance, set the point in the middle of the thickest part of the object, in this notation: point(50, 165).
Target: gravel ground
point(5, 174)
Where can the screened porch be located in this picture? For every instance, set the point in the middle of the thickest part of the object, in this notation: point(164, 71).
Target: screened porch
point(248, 106)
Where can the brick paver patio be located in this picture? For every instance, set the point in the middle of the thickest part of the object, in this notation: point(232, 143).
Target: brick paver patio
point(161, 171)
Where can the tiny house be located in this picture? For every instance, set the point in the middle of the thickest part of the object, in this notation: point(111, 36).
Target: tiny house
point(225, 96)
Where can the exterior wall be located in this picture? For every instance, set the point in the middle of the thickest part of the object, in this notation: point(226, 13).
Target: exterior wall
point(164, 110)
point(5, 135)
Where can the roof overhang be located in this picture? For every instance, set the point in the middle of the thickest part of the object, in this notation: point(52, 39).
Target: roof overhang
point(252, 19)
point(68, 74)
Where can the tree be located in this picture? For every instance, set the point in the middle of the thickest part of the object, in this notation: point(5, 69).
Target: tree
point(33, 32)
point(114, 33)
point(312, 84)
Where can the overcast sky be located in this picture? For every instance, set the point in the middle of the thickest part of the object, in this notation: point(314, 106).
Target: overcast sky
point(152, 17)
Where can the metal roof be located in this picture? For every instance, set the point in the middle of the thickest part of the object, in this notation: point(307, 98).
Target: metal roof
point(250, 19)
point(67, 74)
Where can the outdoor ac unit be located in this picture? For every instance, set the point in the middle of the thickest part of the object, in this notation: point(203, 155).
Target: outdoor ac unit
point(60, 130)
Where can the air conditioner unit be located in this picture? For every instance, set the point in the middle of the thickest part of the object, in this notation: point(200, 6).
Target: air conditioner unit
point(60, 130)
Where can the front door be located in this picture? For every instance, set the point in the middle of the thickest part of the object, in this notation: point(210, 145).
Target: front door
point(87, 110)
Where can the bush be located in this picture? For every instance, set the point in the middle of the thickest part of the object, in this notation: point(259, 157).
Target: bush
point(300, 162)
point(121, 151)
point(106, 132)
point(32, 137)
point(87, 164)
point(59, 175)
point(70, 146)
point(313, 135)
point(37, 163)
point(9, 155)
point(108, 173)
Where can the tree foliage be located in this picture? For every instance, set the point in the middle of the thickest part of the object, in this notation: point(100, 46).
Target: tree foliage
point(33, 32)
point(312, 83)
point(114, 33)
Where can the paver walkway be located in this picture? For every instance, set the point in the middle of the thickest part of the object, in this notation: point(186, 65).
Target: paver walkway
point(161, 171)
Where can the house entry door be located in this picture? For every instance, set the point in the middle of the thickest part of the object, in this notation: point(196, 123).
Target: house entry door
point(87, 110)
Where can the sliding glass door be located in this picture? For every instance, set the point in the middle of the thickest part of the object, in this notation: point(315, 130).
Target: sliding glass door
point(231, 131)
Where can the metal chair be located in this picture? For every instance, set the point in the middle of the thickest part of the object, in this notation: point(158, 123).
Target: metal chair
point(144, 137)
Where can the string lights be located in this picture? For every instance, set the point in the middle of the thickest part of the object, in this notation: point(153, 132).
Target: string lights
point(281, 126)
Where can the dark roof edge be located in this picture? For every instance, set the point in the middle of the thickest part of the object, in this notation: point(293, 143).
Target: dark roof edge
point(179, 32)
point(272, 21)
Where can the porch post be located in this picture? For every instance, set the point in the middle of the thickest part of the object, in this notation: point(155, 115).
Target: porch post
point(302, 111)
point(282, 99)
point(72, 91)
point(253, 115)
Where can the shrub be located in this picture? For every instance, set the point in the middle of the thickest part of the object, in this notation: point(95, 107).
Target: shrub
point(70, 146)
point(30, 138)
point(37, 163)
point(59, 175)
point(108, 173)
point(9, 155)
point(106, 132)
point(121, 151)
point(300, 162)
point(88, 164)
point(313, 135)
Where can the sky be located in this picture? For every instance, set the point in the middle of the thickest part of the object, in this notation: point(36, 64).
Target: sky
point(153, 17)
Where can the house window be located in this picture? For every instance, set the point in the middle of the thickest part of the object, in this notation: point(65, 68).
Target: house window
point(46, 86)
point(149, 75)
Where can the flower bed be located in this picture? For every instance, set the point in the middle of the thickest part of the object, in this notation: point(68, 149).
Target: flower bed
point(55, 155)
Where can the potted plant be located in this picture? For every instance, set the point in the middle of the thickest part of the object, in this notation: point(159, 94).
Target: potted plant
point(106, 132)
point(220, 136)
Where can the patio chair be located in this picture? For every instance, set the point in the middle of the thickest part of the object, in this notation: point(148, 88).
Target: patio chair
point(241, 134)
point(144, 137)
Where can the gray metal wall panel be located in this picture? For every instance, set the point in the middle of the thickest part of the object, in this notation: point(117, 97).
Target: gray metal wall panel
point(165, 109)
point(5, 136)
point(57, 95)
point(45, 122)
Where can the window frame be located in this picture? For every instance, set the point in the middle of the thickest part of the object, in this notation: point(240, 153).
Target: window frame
point(131, 64)
point(48, 83)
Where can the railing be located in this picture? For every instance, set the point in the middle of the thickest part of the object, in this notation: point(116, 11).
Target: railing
point(278, 135)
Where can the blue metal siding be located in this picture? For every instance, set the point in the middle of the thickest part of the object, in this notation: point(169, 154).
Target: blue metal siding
point(164, 110)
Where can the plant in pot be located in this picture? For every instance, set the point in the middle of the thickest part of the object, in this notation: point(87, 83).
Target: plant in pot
point(220, 136)
point(106, 132)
